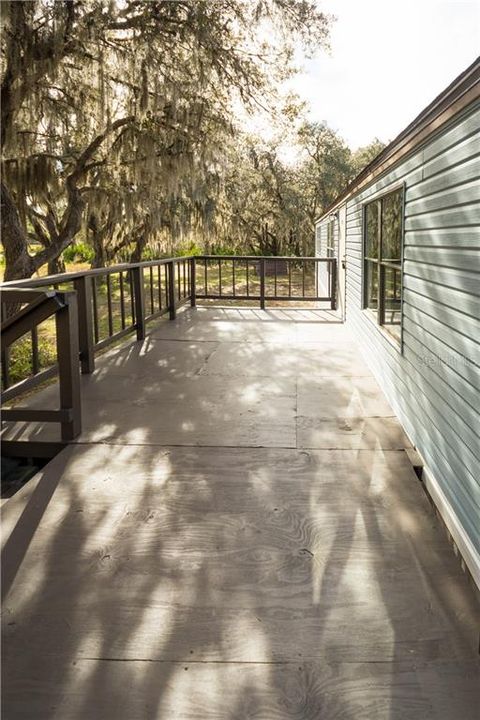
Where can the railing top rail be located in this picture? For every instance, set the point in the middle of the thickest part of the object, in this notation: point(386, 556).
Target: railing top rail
point(293, 258)
point(67, 277)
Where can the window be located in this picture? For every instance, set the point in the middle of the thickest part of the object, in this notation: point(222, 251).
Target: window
point(318, 240)
point(331, 239)
point(330, 250)
point(383, 239)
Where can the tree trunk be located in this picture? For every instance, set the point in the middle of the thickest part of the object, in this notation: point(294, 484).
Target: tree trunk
point(18, 263)
point(100, 257)
point(97, 239)
point(140, 243)
point(56, 266)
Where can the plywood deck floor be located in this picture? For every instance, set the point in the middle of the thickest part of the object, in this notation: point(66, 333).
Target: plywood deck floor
point(238, 533)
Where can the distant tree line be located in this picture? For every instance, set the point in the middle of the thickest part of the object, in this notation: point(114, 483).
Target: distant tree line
point(122, 131)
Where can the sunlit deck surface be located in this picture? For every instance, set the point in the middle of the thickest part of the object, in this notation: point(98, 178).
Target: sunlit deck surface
point(237, 533)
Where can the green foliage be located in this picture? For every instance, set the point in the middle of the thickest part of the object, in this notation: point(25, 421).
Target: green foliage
point(115, 117)
point(268, 205)
point(223, 249)
point(117, 130)
point(149, 254)
point(188, 249)
point(81, 252)
point(364, 155)
point(20, 354)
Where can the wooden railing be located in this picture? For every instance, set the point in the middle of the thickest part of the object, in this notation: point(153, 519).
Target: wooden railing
point(92, 309)
point(33, 307)
point(263, 279)
point(118, 300)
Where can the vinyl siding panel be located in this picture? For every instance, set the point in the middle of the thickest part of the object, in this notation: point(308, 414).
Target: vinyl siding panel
point(454, 155)
point(466, 281)
point(457, 133)
point(450, 178)
point(465, 302)
point(446, 237)
point(433, 381)
point(449, 198)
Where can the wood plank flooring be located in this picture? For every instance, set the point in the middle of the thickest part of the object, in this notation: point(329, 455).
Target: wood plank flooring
point(238, 533)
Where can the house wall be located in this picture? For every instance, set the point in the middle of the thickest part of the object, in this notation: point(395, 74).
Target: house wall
point(433, 384)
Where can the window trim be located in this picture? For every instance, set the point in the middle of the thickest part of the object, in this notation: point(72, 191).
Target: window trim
point(380, 313)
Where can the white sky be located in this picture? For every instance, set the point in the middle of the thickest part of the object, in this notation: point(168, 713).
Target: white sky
point(388, 60)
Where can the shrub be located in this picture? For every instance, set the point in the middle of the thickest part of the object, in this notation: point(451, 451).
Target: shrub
point(189, 249)
point(223, 249)
point(81, 252)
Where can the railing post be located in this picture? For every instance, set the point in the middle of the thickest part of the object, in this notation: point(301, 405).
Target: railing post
point(193, 282)
point(139, 301)
point(333, 289)
point(171, 289)
point(83, 288)
point(262, 283)
point(66, 325)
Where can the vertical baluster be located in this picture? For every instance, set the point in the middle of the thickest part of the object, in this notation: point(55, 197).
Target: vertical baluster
point(176, 269)
point(132, 296)
point(5, 359)
point(219, 277)
point(247, 278)
point(303, 277)
point(275, 277)
point(205, 270)
point(193, 281)
point(109, 306)
point(184, 278)
point(233, 278)
point(159, 273)
point(35, 358)
point(122, 299)
point(96, 334)
point(131, 292)
point(152, 303)
point(139, 294)
point(289, 278)
point(4, 353)
point(262, 283)
point(316, 278)
point(171, 290)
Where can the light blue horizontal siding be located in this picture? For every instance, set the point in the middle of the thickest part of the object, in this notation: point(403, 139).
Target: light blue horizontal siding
point(434, 384)
point(449, 198)
point(445, 237)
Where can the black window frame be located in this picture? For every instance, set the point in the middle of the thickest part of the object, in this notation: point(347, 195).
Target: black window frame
point(378, 313)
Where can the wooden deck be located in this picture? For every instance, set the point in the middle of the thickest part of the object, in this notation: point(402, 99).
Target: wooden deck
point(238, 533)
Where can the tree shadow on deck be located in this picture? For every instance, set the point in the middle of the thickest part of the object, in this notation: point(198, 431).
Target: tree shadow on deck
point(210, 582)
point(248, 594)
